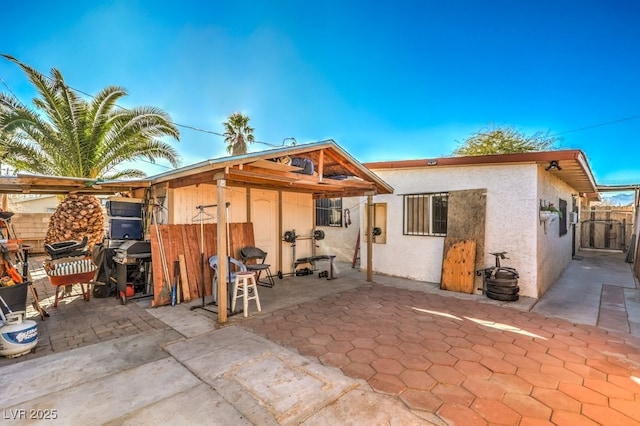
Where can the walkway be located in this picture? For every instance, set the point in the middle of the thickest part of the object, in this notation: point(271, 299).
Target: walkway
point(343, 351)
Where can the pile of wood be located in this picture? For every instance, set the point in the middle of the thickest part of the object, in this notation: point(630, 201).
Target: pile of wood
point(75, 217)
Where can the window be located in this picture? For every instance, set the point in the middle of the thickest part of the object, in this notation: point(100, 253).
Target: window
point(562, 206)
point(329, 212)
point(425, 214)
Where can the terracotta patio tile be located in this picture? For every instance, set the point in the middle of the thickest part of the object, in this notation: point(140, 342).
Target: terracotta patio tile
point(312, 350)
point(458, 342)
point(609, 389)
point(387, 351)
point(530, 346)
point(364, 343)
point(415, 362)
point(460, 416)
point(432, 333)
point(415, 379)
point(544, 359)
point(528, 421)
point(387, 366)
point(566, 355)
point(495, 412)
point(333, 359)
point(339, 347)
point(453, 394)
point(367, 332)
point(628, 408)
point(536, 378)
point(326, 329)
point(464, 354)
point(319, 339)
point(624, 382)
point(387, 383)
point(497, 365)
point(453, 332)
point(607, 416)
point(421, 400)
point(584, 370)
point(446, 374)
point(412, 348)
point(472, 369)
point(572, 340)
point(527, 406)
point(435, 345)
point(509, 348)
point(583, 394)
point(358, 370)
point(561, 373)
point(607, 367)
point(408, 337)
point(566, 418)
point(364, 356)
point(343, 335)
point(477, 339)
point(511, 383)
point(388, 339)
point(303, 332)
point(279, 335)
point(522, 361)
point(488, 351)
point(348, 327)
point(294, 317)
point(588, 353)
point(556, 400)
point(441, 358)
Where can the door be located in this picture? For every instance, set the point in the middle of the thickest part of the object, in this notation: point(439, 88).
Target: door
point(264, 216)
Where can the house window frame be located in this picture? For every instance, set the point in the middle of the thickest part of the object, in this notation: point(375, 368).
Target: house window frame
point(563, 229)
point(329, 212)
point(434, 221)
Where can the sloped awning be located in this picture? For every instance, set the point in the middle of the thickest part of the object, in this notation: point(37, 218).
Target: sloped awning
point(335, 172)
point(25, 183)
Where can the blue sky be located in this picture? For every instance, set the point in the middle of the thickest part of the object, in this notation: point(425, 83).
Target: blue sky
point(386, 80)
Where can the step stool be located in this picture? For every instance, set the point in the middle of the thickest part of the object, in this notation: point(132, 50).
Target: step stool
point(245, 282)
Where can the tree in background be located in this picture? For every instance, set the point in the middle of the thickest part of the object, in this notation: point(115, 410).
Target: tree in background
point(238, 134)
point(504, 140)
point(66, 135)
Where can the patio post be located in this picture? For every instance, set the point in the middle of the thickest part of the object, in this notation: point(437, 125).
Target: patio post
point(222, 250)
point(369, 238)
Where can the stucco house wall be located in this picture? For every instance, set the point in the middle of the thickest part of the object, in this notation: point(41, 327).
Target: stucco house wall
point(513, 196)
point(554, 252)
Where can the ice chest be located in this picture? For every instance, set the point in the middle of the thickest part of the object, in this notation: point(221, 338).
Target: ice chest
point(124, 208)
point(124, 228)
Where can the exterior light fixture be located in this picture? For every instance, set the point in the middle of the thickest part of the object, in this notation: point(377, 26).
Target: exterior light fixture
point(553, 165)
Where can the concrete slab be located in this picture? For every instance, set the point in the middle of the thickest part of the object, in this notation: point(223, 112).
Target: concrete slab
point(189, 323)
point(110, 397)
point(36, 378)
point(199, 405)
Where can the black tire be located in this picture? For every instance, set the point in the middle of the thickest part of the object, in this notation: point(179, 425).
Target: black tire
point(503, 297)
point(503, 290)
point(506, 274)
point(502, 282)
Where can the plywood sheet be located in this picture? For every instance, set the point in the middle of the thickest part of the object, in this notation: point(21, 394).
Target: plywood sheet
point(458, 268)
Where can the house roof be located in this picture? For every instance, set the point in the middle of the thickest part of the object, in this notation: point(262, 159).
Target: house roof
point(574, 169)
point(336, 173)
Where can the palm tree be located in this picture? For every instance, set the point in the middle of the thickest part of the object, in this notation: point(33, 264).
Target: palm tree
point(65, 135)
point(237, 133)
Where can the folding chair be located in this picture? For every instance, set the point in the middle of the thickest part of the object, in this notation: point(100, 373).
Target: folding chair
point(254, 258)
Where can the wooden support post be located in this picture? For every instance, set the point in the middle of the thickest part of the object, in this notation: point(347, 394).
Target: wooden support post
point(370, 238)
point(222, 250)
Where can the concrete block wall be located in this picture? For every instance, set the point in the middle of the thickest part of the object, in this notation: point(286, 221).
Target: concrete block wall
point(32, 229)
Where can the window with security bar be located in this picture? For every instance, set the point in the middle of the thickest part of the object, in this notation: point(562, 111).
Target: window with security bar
point(329, 212)
point(425, 214)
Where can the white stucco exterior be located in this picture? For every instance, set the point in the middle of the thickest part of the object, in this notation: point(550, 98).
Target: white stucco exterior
point(513, 195)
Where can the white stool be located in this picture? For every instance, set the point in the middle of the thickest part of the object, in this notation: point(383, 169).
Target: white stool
point(245, 281)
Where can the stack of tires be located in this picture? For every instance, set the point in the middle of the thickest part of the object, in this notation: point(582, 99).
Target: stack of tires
point(502, 284)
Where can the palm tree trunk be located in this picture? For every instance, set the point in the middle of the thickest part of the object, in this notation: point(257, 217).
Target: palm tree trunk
point(75, 217)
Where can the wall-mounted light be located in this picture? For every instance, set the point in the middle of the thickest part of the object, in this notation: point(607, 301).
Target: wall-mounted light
point(432, 162)
point(553, 165)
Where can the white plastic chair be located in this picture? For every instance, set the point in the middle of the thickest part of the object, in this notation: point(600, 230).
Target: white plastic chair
point(231, 275)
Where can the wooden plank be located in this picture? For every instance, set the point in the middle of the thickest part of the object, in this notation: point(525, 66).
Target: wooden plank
point(184, 279)
point(458, 268)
